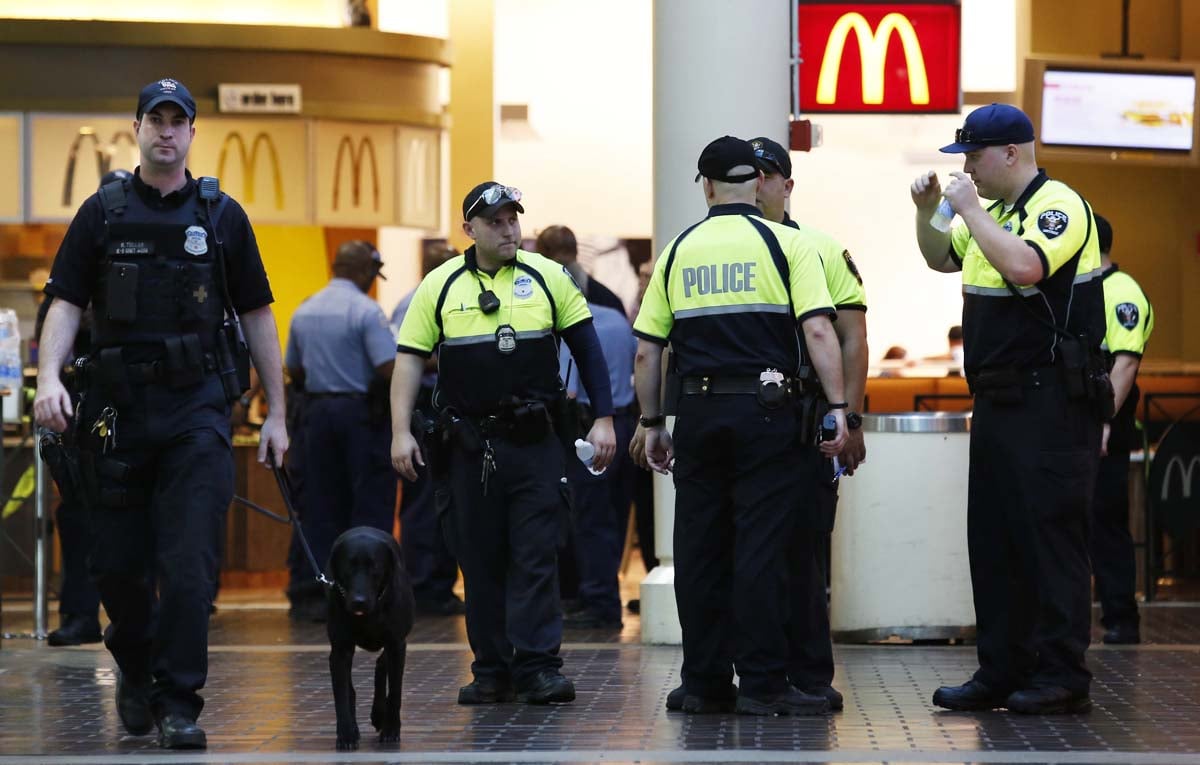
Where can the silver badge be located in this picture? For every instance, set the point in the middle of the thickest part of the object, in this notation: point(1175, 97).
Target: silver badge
point(195, 240)
point(506, 339)
point(523, 287)
point(771, 377)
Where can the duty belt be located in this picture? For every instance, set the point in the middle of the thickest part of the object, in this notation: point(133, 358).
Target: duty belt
point(144, 372)
point(721, 386)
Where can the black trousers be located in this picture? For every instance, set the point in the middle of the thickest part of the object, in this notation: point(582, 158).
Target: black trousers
point(506, 541)
point(810, 647)
point(78, 595)
point(738, 492)
point(1113, 560)
point(1032, 473)
point(162, 522)
point(350, 480)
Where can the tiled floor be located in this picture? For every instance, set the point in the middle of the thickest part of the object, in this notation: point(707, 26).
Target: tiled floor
point(268, 701)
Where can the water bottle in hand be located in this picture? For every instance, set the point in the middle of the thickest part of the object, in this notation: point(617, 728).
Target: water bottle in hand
point(943, 216)
point(585, 452)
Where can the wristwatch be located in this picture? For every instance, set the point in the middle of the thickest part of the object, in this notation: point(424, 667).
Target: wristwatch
point(652, 422)
point(853, 420)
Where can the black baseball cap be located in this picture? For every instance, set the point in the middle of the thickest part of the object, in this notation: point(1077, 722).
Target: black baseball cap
point(724, 154)
point(473, 205)
point(161, 91)
point(772, 157)
point(991, 125)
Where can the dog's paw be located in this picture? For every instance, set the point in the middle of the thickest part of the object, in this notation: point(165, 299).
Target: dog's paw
point(347, 738)
point(390, 734)
point(378, 710)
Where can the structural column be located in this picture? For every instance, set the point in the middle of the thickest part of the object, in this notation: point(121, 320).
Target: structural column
point(720, 68)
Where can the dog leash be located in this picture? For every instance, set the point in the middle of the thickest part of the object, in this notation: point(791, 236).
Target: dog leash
point(293, 519)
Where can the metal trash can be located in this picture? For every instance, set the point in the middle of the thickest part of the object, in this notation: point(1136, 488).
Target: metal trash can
point(899, 550)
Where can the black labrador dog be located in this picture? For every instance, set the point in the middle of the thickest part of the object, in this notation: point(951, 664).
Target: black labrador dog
point(371, 607)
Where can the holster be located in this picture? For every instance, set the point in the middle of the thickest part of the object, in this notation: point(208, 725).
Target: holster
point(233, 361)
point(810, 408)
point(64, 465)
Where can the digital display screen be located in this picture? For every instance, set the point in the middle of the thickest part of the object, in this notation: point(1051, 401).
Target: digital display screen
point(1118, 109)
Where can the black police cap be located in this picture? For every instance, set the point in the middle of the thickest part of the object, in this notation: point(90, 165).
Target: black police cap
point(724, 154)
point(162, 91)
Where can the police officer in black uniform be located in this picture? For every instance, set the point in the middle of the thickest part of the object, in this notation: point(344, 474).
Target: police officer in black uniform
point(733, 295)
point(159, 257)
point(1033, 320)
point(494, 316)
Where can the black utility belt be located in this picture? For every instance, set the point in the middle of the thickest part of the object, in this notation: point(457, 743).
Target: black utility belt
point(747, 385)
point(996, 379)
point(143, 373)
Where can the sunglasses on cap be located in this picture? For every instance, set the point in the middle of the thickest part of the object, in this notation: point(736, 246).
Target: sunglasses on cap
point(493, 194)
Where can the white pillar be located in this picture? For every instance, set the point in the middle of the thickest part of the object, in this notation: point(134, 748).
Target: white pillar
point(720, 68)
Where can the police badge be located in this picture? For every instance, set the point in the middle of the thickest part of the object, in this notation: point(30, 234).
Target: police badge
point(195, 240)
point(506, 339)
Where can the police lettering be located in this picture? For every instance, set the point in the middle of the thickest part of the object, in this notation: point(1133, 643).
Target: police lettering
point(717, 279)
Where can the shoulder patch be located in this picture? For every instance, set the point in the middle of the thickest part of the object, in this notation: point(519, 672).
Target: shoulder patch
point(1127, 315)
point(850, 265)
point(1052, 223)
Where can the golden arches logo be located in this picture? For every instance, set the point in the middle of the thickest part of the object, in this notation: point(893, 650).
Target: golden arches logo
point(872, 48)
point(104, 156)
point(356, 153)
point(249, 162)
point(1186, 474)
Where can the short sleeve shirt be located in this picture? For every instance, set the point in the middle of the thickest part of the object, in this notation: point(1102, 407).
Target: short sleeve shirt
point(488, 358)
point(339, 336)
point(719, 294)
point(1128, 314)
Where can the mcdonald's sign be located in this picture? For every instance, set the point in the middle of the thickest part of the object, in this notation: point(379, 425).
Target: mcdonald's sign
point(879, 57)
point(104, 156)
point(249, 163)
point(357, 153)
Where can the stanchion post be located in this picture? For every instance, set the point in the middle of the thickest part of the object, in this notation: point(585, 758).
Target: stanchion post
point(40, 558)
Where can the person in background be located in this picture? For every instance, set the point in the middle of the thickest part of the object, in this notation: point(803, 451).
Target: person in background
point(558, 243)
point(1129, 320)
point(340, 352)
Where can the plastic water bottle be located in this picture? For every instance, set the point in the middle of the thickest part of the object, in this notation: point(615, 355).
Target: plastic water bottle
point(942, 216)
point(586, 452)
point(11, 370)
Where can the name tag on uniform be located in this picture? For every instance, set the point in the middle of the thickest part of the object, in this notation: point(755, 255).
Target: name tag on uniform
point(134, 247)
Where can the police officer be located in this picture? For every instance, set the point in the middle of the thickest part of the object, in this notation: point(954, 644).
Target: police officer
point(810, 651)
point(727, 294)
point(494, 316)
point(340, 353)
point(1033, 319)
point(156, 261)
point(1130, 320)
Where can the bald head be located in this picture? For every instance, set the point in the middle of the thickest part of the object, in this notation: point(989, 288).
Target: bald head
point(724, 193)
point(358, 261)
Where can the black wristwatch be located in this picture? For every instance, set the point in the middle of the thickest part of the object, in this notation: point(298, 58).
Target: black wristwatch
point(652, 422)
point(853, 420)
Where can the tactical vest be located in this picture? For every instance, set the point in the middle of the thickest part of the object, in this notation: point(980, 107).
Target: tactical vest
point(158, 272)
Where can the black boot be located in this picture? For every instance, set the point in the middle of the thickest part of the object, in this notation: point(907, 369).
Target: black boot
point(971, 696)
point(1052, 700)
point(75, 629)
point(178, 732)
point(133, 705)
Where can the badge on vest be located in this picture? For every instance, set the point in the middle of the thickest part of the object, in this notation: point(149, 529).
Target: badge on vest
point(506, 339)
point(195, 240)
point(523, 287)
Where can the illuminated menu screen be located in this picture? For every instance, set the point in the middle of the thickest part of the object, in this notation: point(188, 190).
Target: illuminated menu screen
point(1120, 110)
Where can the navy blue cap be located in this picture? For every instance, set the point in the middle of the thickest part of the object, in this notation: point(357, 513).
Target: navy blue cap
point(772, 157)
point(991, 125)
point(724, 154)
point(161, 91)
